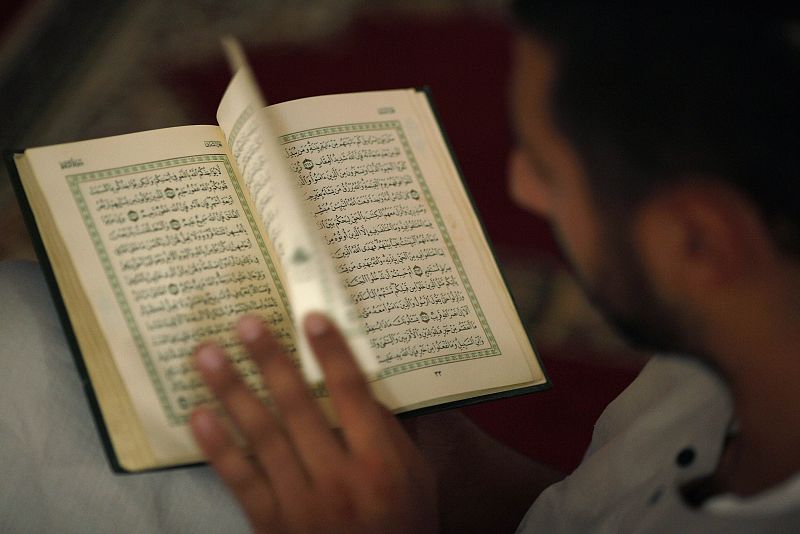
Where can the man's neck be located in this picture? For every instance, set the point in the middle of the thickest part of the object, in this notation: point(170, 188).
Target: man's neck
point(762, 367)
point(766, 450)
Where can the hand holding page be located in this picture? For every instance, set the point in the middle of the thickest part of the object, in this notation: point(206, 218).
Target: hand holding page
point(311, 279)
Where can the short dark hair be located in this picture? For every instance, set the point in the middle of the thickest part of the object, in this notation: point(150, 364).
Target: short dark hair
point(652, 92)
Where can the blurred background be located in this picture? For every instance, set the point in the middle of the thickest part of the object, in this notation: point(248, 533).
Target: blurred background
point(80, 69)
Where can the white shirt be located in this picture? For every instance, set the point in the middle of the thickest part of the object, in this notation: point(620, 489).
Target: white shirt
point(54, 476)
point(665, 429)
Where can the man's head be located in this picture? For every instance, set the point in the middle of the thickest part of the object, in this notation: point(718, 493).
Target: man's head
point(663, 146)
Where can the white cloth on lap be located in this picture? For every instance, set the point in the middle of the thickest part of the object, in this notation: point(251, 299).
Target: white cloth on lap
point(54, 474)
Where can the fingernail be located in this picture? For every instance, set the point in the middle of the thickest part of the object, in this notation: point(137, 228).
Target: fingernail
point(316, 324)
point(203, 422)
point(250, 328)
point(209, 357)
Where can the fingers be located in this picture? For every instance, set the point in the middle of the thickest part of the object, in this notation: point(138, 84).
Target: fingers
point(229, 461)
point(398, 435)
point(361, 417)
point(258, 426)
point(292, 451)
point(304, 421)
point(304, 478)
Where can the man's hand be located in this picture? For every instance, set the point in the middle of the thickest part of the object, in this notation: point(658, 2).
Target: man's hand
point(302, 477)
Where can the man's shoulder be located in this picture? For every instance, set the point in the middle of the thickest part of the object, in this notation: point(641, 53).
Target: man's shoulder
point(667, 428)
point(669, 390)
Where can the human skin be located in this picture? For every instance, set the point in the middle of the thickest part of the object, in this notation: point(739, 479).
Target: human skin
point(709, 277)
point(710, 267)
point(303, 477)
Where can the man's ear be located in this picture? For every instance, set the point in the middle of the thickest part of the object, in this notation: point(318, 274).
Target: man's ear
point(700, 236)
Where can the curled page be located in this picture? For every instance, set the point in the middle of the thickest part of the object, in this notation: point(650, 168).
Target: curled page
point(310, 276)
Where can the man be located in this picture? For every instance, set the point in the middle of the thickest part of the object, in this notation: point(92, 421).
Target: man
point(663, 148)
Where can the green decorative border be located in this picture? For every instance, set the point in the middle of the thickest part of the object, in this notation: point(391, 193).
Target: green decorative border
point(395, 125)
point(237, 126)
point(75, 180)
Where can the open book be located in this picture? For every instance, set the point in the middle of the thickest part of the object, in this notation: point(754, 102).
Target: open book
point(158, 240)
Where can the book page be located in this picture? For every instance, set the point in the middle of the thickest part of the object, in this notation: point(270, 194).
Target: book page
point(309, 273)
point(390, 207)
point(168, 254)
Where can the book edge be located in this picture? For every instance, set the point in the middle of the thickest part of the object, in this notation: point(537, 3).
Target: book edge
point(426, 91)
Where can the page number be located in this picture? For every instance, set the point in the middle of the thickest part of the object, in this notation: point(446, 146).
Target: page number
point(437, 373)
